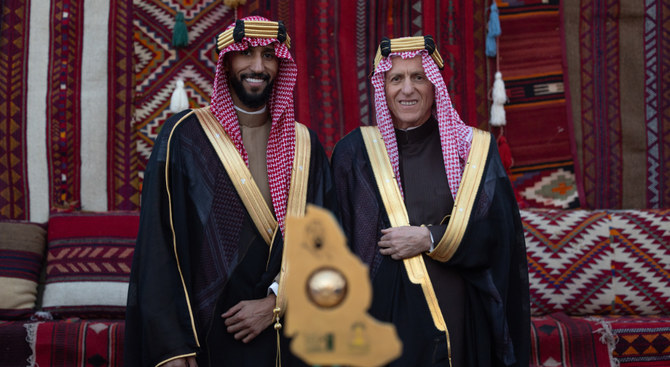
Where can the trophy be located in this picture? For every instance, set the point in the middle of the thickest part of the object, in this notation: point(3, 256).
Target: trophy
point(328, 292)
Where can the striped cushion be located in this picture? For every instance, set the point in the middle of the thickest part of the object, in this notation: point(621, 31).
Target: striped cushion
point(21, 252)
point(88, 263)
point(569, 261)
point(585, 262)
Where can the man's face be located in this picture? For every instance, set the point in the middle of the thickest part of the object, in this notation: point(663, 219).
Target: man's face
point(251, 73)
point(409, 93)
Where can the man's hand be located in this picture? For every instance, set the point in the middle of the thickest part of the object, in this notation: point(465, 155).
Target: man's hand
point(404, 242)
point(181, 362)
point(249, 318)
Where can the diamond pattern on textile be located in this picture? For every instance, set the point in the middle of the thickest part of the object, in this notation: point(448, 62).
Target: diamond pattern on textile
point(64, 104)
point(641, 340)
point(641, 241)
point(569, 259)
point(548, 188)
point(158, 65)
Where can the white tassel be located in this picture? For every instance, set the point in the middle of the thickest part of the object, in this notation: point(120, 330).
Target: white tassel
point(499, 99)
point(31, 338)
point(179, 99)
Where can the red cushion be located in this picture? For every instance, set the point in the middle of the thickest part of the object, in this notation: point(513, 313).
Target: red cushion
point(89, 257)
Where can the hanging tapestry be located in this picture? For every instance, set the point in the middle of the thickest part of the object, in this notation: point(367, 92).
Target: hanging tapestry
point(618, 62)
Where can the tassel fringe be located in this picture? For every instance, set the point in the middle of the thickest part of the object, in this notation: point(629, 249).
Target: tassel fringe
point(493, 31)
point(499, 97)
point(179, 33)
point(607, 337)
point(179, 99)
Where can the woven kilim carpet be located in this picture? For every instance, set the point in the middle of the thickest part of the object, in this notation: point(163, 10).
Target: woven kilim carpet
point(566, 341)
point(642, 342)
point(618, 59)
point(530, 60)
point(638, 341)
point(76, 343)
point(66, 122)
point(14, 198)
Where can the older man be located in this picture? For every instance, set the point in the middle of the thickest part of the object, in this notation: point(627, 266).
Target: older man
point(426, 203)
point(218, 187)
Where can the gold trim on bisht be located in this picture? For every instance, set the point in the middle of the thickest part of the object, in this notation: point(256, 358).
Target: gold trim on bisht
point(387, 46)
point(254, 29)
point(239, 174)
point(297, 199)
point(397, 214)
point(465, 198)
point(174, 234)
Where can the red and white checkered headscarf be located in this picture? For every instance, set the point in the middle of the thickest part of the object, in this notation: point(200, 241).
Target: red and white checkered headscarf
point(281, 142)
point(455, 136)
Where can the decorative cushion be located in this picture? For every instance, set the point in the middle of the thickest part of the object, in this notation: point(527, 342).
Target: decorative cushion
point(569, 261)
point(21, 253)
point(88, 263)
point(641, 241)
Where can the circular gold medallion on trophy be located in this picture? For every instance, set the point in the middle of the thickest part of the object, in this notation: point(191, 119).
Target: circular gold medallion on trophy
point(326, 287)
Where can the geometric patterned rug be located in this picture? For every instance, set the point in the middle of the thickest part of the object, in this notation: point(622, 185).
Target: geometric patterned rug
point(76, 342)
point(617, 63)
point(642, 341)
point(641, 242)
point(569, 261)
point(561, 340)
point(639, 341)
point(550, 186)
point(537, 120)
point(598, 262)
point(14, 198)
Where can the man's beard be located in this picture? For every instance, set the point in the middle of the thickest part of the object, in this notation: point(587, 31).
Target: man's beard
point(251, 100)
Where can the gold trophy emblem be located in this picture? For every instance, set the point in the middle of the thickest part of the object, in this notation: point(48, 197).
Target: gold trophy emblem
point(329, 293)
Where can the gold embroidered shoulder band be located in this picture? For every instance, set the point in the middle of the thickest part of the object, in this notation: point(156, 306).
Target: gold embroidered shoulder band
point(397, 213)
point(239, 174)
point(243, 181)
point(297, 199)
point(465, 198)
point(297, 195)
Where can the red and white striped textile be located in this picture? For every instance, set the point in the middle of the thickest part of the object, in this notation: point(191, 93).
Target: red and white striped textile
point(281, 142)
point(455, 136)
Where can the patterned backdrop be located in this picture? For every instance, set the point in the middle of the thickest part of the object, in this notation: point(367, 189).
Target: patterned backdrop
point(14, 197)
point(85, 89)
point(619, 76)
point(538, 131)
point(333, 43)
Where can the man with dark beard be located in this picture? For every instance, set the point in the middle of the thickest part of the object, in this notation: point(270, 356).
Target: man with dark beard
point(218, 187)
